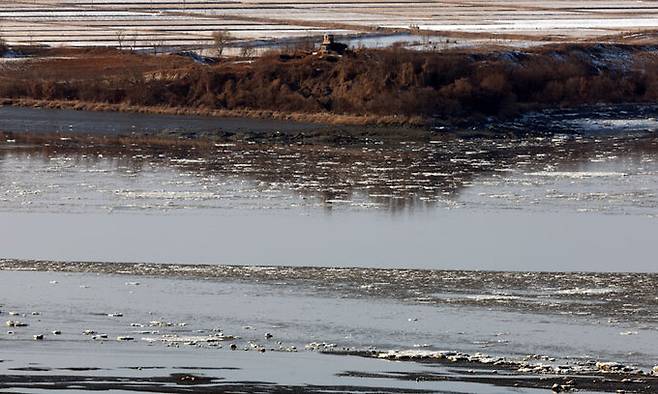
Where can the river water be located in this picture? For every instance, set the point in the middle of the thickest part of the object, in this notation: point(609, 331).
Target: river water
point(587, 203)
point(549, 243)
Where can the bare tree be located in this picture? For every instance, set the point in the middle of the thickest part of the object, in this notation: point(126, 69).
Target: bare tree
point(158, 46)
point(220, 40)
point(4, 47)
point(134, 38)
point(3, 44)
point(121, 37)
point(247, 51)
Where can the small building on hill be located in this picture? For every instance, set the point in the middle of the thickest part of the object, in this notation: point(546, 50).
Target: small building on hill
point(331, 47)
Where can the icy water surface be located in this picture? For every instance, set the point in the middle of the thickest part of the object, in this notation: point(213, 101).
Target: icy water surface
point(564, 203)
point(139, 321)
point(488, 265)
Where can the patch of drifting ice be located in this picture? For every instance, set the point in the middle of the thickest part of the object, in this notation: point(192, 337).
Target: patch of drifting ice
point(579, 291)
point(338, 201)
point(165, 195)
point(188, 161)
point(626, 333)
point(492, 297)
point(428, 174)
point(415, 353)
point(189, 338)
point(616, 124)
point(576, 174)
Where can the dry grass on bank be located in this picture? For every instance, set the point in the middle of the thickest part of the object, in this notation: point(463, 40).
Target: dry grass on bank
point(319, 118)
point(391, 86)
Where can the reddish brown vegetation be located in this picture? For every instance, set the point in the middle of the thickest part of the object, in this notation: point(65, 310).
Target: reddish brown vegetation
point(373, 82)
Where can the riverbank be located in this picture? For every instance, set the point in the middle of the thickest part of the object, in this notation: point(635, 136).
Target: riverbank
point(455, 89)
point(319, 118)
point(169, 126)
point(34, 124)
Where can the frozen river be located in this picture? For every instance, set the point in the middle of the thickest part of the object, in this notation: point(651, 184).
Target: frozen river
point(143, 263)
point(583, 203)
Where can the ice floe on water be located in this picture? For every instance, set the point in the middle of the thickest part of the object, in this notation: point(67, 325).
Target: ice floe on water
point(492, 297)
point(616, 125)
point(619, 296)
point(190, 339)
point(188, 161)
point(576, 174)
point(166, 195)
point(255, 312)
point(594, 291)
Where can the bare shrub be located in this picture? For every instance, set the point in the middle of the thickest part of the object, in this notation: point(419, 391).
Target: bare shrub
point(306, 44)
point(247, 51)
point(4, 47)
point(384, 83)
point(220, 39)
point(121, 38)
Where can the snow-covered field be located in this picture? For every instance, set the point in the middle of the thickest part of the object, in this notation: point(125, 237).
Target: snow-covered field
point(191, 22)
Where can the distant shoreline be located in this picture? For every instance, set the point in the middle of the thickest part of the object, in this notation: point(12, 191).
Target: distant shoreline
point(380, 87)
point(43, 119)
point(473, 92)
point(318, 118)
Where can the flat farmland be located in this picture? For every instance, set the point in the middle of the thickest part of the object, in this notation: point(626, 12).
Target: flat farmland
point(145, 23)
